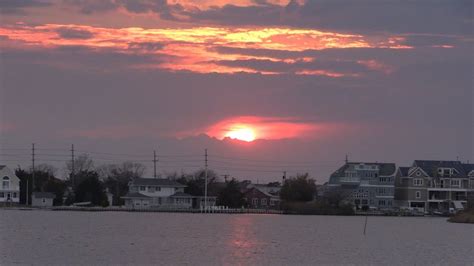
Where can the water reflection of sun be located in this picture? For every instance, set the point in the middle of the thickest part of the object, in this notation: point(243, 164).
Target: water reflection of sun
point(242, 242)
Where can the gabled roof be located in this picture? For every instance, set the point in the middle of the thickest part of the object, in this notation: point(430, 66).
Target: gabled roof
point(385, 169)
point(262, 192)
point(135, 195)
point(45, 195)
point(468, 167)
point(162, 182)
point(431, 167)
point(403, 170)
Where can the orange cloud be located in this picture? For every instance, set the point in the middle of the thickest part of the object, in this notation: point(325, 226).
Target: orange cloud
point(193, 49)
point(377, 66)
point(206, 4)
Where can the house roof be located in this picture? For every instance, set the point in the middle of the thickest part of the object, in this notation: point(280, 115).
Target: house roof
point(135, 195)
point(385, 169)
point(181, 195)
point(404, 170)
point(162, 182)
point(262, 192)
point(468, 167)
point(431, 167)
point(46, 195)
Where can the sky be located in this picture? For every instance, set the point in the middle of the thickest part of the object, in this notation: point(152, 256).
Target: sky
point(266, 86)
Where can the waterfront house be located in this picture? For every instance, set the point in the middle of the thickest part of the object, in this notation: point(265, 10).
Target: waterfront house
point(10, 187)
point(368, 185)
point(42, 199)
point(434, 186)
point(157, 193)
point(258, 198)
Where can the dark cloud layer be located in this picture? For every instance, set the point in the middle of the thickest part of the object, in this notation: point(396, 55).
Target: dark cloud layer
point(19, 6)
point(70, 33)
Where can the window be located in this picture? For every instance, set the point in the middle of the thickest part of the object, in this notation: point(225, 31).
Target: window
point(418, 173)
point(151, 189)
point(418, 182)
point(44, 200)
point(157, 188)
point(14, 194)
point(263, 201)
point(142, 188)
point(6, 182)
point(255, 201)
point(2, 195)
point(381, 202)
point(364, 202)
point(272, 202)
point(455, 183)
point(418, 194)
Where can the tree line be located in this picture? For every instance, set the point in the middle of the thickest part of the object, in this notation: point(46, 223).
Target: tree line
point(89, 183)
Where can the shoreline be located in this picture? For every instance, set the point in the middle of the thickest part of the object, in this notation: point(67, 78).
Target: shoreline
point(198, 211)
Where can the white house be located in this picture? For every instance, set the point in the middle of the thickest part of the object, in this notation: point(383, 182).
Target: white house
point(157, 193)
point(10, 187)
point(42, 199)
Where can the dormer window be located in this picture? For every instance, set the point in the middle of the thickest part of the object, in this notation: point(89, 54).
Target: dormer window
point(445, 172)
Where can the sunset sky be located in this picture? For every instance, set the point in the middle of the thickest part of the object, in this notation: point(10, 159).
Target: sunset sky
point(300, 83)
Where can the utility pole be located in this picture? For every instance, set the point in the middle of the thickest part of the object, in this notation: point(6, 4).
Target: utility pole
point(26, 203)
point(72, 166)
point(284, 176)
point(154, 163)
point(33, 166)
point(347, 159)
point(205, 180)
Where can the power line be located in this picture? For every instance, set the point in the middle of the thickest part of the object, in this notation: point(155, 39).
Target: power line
point(268, 161)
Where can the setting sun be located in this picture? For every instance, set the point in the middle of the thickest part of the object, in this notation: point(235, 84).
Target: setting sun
point(242, 133)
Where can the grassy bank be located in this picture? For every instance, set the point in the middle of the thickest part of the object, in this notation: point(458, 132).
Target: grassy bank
point(463, 217)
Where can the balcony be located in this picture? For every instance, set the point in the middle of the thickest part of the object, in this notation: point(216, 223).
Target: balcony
point(349, 180)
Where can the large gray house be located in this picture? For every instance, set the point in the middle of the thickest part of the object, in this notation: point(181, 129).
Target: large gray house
point(369, 185)
point(434, 185)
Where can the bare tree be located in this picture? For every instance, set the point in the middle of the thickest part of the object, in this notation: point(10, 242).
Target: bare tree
point(337, 196)
point(82, 163)
point(46, 168)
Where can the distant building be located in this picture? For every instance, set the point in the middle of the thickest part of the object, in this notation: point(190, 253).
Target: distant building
point(368, 185)
point(10, 187)
point(434, 185)
point(257, 197)
point(42, 199)
point(157, 193)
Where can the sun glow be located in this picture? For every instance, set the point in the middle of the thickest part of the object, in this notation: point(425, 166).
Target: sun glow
point(242, 133)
